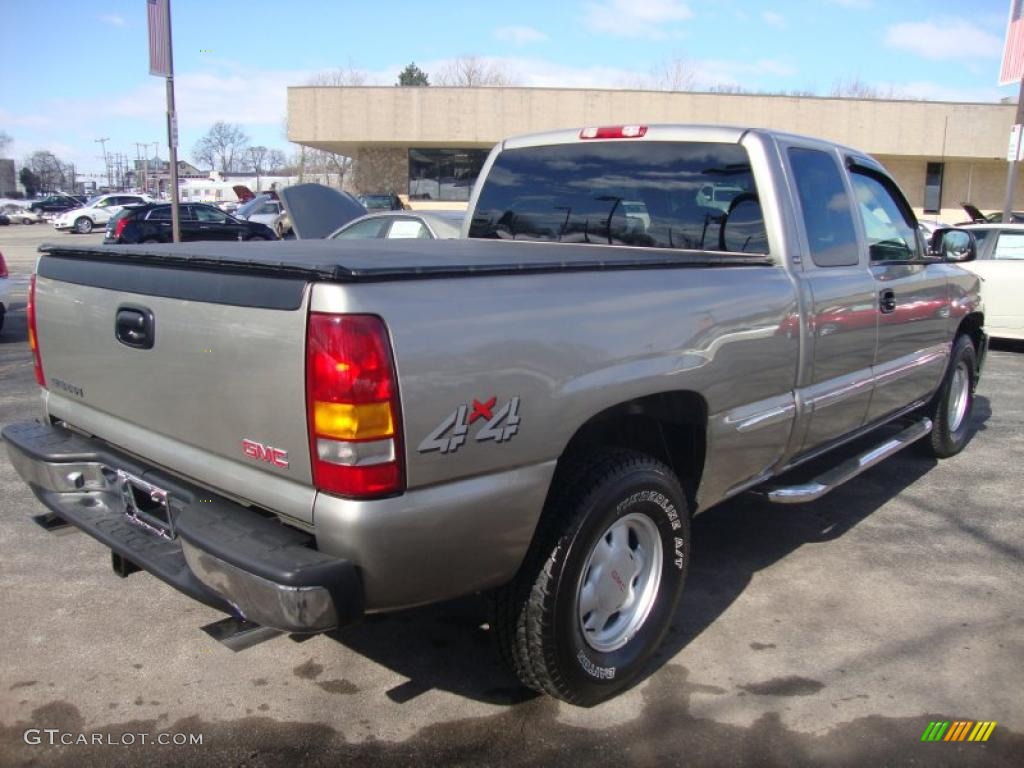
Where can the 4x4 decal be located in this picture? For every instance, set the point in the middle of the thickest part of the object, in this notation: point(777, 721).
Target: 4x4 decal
point(500, 424)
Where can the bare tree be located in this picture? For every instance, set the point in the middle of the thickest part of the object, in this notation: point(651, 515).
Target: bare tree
point(341, 76)
point(474, 72)
point(675, 74)
point(5, 142)
point(728, 88)
point(276, 162)
point(256, 160)
point(325, 166)
point(223, 147)
point(855, 88)
point(51, 173)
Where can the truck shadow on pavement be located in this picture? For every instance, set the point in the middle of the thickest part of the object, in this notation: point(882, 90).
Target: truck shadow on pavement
point(450, 646)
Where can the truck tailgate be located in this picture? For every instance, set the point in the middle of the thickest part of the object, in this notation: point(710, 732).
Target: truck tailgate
point(220, 386)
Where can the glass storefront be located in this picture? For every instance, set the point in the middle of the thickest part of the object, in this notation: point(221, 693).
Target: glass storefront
point(444, 174)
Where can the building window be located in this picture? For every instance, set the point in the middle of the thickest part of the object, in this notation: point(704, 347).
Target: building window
point(444, 174)
point(933, 188)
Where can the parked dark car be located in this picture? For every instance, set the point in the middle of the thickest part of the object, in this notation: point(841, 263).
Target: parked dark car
point(57, 203)
point(152, 224)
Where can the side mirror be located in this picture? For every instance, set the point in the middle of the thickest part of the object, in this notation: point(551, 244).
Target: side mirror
point(956, 245)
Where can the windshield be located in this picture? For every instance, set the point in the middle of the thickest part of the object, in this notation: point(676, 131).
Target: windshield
point(254, 205)
point(650, 194)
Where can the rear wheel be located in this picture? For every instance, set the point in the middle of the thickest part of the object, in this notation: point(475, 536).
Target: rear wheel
point(83, 225)
point(950, 410)
point(599, 586)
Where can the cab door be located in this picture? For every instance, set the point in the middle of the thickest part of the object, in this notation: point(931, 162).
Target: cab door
point(911, 295)
point(838, 296)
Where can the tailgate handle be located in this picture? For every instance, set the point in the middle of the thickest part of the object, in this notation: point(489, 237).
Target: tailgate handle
point(135, 327)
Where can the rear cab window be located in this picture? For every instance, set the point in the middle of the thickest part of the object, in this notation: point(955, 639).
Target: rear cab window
point(653, 194)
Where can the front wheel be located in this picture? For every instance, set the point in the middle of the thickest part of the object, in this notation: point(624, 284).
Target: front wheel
point(83, 225)
point(600, 584)
point(950, 410)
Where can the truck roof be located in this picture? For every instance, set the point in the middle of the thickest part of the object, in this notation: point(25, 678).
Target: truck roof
point(728, 134)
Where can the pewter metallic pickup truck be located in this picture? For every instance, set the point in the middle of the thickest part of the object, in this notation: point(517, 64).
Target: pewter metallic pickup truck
point(299, 433)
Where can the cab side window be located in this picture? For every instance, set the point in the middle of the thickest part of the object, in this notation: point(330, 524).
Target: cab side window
point(203, 213)
point(890, 235)
point(825, 205)
point(1010, 245)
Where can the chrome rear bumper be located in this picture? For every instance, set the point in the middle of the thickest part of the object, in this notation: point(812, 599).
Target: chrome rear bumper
point(214, 550)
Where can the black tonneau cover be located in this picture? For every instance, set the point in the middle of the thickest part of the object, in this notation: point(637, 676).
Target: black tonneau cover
point(351, 261)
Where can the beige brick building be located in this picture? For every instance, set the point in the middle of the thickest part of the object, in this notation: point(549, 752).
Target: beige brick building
point(428, 142)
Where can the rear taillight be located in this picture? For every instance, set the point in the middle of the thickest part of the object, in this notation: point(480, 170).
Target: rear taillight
point(3, 267)
point(119, 226)
point(33, 336)
point(352, 400)
point(614, 132)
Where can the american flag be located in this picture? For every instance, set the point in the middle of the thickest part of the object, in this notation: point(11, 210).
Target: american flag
point(1013, 51)
point(158, 14)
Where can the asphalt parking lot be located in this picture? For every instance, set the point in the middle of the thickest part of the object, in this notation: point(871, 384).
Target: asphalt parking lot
point(829, 633)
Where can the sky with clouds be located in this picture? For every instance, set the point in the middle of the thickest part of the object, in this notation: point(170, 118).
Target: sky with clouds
point(77, 71)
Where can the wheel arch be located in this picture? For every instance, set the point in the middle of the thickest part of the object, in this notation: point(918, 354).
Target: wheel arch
point(972, 325)
point(670, 426)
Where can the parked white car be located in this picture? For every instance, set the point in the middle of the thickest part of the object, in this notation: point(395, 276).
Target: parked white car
point(97, 212)
point(266, 210)
point(1000, 264)
point(19, 215)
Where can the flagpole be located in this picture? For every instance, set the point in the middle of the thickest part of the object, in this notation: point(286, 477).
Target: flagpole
point(1011, 178)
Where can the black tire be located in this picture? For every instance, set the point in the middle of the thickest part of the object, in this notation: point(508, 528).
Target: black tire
point(952, 424)
point(83, 225)
point(148, 240)
point(2, 313)
point(256, 237)
point(538, 619)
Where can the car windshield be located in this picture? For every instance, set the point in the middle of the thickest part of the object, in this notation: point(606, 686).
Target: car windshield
point(376, 202)
point(250, 207)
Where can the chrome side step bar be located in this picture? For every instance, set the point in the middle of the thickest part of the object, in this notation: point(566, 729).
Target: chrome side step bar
point(819, 486)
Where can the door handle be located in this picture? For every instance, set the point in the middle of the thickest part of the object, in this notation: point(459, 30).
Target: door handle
point(887, 301)
point(134, 327)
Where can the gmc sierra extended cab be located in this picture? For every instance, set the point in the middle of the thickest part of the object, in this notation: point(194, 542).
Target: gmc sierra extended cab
point(639, 322)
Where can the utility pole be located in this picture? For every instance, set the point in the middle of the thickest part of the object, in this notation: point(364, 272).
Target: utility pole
point(156, 169)
point(106, 161)
point(142, 163)
point(161, 63)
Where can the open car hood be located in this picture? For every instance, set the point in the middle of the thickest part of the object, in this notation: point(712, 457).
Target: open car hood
point(977, 217)
point(317, 210)
point(243, 193)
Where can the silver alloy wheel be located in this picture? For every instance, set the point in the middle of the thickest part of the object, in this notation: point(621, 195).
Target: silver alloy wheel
point(619, 584)
point(959, 395)
point(83, 225)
